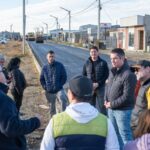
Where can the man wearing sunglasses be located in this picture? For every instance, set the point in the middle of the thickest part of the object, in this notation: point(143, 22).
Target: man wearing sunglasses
point(142, 71)
point(52, 78)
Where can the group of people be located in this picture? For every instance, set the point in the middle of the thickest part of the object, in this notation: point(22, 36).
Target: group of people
point(12, 78)
point(110, 92)
point(104, 111)
point(12, 128)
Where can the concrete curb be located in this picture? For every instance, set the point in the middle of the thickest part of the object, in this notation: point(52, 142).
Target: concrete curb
point(38, 67)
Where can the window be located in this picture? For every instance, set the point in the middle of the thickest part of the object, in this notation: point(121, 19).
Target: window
point(131, 39)
point(120, 36)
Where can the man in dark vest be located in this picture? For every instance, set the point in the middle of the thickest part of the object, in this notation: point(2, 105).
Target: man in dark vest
point(81, 126)
point(97, 70)
point(143, 98)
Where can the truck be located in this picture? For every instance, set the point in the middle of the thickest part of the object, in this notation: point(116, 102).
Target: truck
point(31, 36)
point(39, 38)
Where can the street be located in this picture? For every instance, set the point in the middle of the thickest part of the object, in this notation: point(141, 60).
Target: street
point(73, 58)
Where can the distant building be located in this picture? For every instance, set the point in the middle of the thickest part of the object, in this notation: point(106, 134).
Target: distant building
point(63, 35)
point(89, 32)
point(134, 33)
point(10, 35)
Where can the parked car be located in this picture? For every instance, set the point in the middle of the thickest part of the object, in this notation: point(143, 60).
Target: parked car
point(3, 41)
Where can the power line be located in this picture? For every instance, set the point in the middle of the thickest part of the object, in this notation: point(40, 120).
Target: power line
point(90, 9)
point(64, 17)
point(107, 14)
point(85, 8)
point(107, 2)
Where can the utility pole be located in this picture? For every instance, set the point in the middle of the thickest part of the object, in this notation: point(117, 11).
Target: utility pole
point(46, 30)
point(69, 13)
point(24, 26)
point(99, 17)
point(11, 31)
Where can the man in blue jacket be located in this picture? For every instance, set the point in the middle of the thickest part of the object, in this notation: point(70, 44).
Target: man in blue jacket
point(52, 78)
point(12, 129)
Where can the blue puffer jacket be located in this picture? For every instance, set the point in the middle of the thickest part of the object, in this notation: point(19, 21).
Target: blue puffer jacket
point(53, 77)
point(12, 129)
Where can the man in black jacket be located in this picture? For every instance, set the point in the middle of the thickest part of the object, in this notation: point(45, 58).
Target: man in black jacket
point(119, 95)
point(96, 69)
point(12, 129)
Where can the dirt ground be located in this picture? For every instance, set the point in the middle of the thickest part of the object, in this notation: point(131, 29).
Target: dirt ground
point(34, 97)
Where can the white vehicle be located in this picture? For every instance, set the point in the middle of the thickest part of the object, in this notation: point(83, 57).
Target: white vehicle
point(3, 41)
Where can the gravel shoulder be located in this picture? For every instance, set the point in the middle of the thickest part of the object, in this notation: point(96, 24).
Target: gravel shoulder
point(34, 96)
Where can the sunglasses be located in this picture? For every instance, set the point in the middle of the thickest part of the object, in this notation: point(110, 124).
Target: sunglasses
point(134, 69)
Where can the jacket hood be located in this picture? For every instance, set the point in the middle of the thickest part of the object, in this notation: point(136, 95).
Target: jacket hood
point(82, 112)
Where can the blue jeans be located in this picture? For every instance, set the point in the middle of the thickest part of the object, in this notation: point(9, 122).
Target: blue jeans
point(121, 121)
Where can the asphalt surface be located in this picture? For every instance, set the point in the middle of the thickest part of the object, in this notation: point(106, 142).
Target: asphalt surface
point(72, 58)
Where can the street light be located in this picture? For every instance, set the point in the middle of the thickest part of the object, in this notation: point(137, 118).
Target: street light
point(56, 20)
point(47, 30)
point(57, 24)
point(69, 12)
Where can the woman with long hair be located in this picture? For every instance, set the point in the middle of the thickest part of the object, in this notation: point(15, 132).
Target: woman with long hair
point(18, 82)
point(141, 133)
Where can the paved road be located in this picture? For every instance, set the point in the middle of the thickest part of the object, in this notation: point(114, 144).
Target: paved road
point(73, 58)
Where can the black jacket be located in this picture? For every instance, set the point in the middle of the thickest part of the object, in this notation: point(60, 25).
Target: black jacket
point(97, 71)
point(120, 88)
point(12, 129)
point(18, 81)
point(4, 88)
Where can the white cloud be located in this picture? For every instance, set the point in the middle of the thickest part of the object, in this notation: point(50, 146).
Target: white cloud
point(39, 12)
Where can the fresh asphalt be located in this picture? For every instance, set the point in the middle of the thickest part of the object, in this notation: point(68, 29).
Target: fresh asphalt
point(73, 58)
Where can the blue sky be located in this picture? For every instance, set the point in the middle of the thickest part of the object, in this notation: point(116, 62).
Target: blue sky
point(82, 11)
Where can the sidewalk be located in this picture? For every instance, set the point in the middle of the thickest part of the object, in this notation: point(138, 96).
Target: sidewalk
point(131, 55)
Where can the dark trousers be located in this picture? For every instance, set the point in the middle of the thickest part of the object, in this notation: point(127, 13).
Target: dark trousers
point(98, 100)
point(17, 98)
